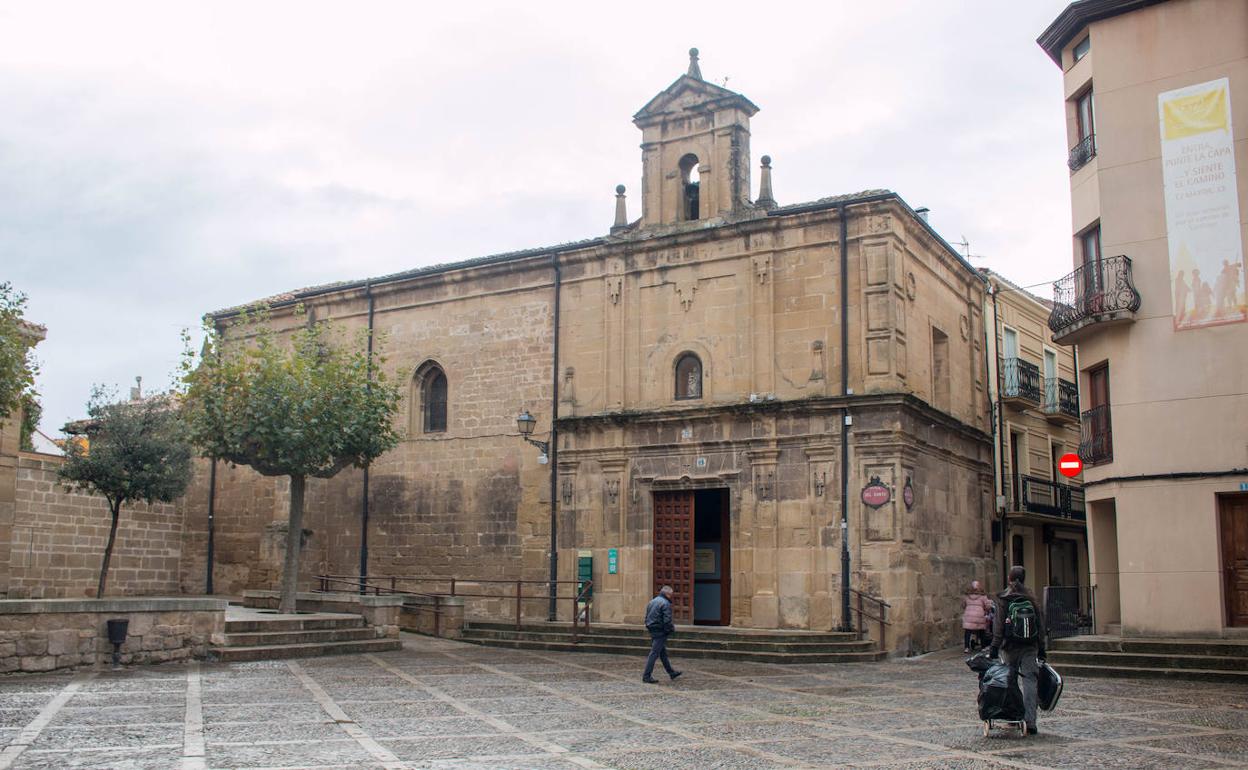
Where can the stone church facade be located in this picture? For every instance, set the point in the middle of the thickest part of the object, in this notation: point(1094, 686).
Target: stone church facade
point(723, 375)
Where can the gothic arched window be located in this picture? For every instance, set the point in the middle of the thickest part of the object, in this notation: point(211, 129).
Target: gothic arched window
point(431, 386)
point(688, 376)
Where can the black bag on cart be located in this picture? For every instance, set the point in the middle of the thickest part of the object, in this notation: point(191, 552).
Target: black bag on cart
point(999, 695)
point(1048, 687)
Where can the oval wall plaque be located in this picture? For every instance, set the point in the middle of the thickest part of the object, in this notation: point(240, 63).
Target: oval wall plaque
point(875, 493)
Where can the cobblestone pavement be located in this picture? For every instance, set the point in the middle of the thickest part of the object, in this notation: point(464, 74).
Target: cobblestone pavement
point(448, 705)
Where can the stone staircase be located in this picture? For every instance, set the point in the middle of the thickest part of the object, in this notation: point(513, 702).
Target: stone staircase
point(262, 635)
point(749, 645)
point(1212, 660)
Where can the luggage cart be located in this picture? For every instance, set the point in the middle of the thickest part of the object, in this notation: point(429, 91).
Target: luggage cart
point(1004, 725)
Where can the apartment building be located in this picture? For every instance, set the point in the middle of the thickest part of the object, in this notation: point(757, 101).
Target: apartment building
point(1156, 305)
point(1041, 519)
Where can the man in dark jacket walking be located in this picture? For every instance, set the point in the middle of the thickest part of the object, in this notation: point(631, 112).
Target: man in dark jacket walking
point(659, 624)
point(1018, 632)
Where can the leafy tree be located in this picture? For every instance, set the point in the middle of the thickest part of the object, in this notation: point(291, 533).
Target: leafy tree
point(32, 411)
point(302, 405)
point(17, 363)
point(136, 450)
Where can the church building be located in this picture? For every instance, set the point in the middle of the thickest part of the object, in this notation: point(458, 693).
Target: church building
point(738, 398)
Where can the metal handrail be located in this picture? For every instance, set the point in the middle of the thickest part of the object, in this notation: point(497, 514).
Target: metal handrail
point(388, 584)
point(1061, 397)
point(1096, 435)
point(1097, 288)
point(1021, 379)
point(883, 608)
point(1083, 151)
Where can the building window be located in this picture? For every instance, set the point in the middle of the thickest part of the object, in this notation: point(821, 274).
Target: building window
point(1096, 441)
point(940, 369)
point(1085, 117)
point(1016, 551)
point(430, 384)
point(1090, 254)
point(690, 188)
point(1082, 48)
point(1085, 132)
point(688, 376)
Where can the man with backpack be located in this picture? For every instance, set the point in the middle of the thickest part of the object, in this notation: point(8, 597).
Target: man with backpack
point(1018, 633)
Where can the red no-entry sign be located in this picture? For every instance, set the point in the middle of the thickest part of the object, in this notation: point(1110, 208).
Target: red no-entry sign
point(1069, 465)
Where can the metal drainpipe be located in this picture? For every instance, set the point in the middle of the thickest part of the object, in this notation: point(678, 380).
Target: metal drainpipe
point(554, 449)
point(846, 624)
point(368, 292)
point(1000, 426)
point(212, 508)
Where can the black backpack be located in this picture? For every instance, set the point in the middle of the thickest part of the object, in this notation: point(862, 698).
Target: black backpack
point(1022, 623)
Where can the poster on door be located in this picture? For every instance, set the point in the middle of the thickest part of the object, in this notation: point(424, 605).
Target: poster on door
point(1207, 274)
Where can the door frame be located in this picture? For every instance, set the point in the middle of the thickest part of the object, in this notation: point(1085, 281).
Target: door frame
point(1223, 505)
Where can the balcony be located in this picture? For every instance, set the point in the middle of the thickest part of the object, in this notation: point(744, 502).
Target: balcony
point(1081, 153)
point(1061, 401)
point(1096, 436)
point(1048, 498)
point(1098, 293)
point(1020, 383)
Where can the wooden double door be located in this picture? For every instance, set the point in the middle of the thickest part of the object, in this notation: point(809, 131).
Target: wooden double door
point(1233, 523)
point(692, 554)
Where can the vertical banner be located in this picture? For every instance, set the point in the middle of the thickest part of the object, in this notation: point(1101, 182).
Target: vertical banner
point(1202, 206)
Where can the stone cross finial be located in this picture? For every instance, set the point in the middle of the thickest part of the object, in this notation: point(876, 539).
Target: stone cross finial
point(621, 210)
point(694, 70)
point(765, 199)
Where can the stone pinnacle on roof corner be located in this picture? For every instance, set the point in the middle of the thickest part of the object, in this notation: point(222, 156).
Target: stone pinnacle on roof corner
point(694, 70)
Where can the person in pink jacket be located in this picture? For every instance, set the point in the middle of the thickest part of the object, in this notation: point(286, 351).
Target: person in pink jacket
point(975, 608)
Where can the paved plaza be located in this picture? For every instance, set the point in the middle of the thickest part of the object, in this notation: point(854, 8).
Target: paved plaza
point(444, 704)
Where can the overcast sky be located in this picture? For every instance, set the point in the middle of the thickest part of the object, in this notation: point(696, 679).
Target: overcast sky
point(160, 160)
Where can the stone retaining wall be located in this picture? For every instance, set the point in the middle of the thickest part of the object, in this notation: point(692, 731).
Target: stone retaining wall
point(48, 634)
point(433, 616)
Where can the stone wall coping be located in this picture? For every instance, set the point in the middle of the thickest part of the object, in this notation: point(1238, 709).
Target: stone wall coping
point(113, 604)
point(366, 600)
point(443, 601)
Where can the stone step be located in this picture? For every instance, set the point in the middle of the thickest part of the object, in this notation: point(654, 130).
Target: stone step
point(1185, 647)
point(293, 624)
point(683, 632)
point(269, 638)
point(736, 655)
point(1149, 660)
point(678, 642)
point(1188, 674)
point(282, 651)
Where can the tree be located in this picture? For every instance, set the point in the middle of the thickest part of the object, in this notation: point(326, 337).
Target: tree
point(136, 450)
point(302, 406)
point(32, 411)
point(17, 338)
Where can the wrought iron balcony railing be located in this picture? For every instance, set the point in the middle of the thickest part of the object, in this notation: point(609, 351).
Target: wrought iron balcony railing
point(1096, 436)
point(1081, 153)
point(1037, 495)
point(1061, 398)
point(1020, 379)
point(1101, 290)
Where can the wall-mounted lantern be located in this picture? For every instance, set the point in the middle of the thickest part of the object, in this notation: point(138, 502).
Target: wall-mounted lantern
point(525, 423)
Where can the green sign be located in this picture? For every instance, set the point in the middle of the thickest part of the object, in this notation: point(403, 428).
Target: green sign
point(613, 561)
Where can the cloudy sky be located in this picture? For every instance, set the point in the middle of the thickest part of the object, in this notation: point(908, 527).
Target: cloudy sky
point(159, 160)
